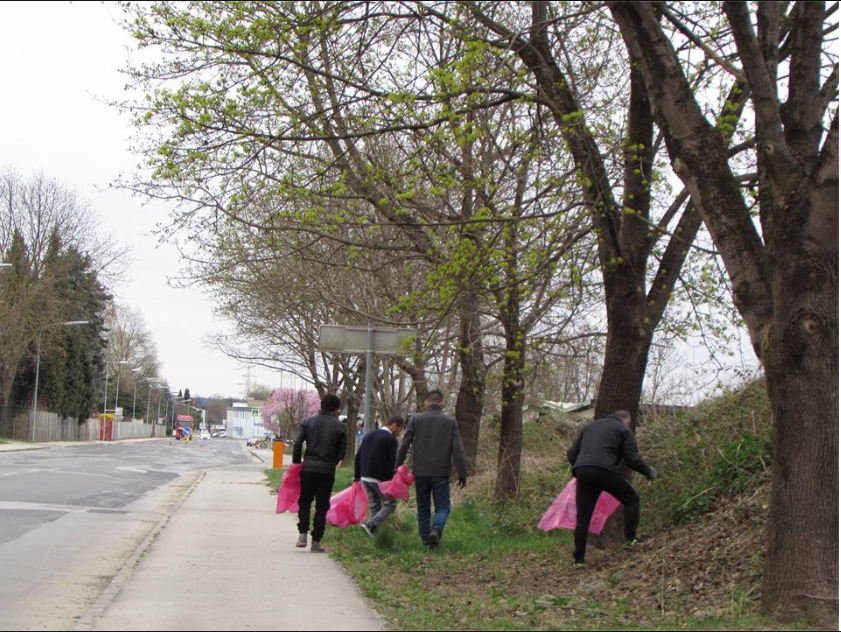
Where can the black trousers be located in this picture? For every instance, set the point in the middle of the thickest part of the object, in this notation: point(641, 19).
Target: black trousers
point(314, 485)
point(592, 481)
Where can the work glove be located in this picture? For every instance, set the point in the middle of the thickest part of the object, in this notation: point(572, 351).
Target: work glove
point(653, 473)
point(462, 482)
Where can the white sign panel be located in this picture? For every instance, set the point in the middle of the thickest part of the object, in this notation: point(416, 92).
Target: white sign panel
point(343, 339)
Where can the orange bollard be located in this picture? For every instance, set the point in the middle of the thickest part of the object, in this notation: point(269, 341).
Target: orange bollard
point(278, 454)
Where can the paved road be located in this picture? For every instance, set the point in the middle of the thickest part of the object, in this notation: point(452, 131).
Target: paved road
point(71, 516)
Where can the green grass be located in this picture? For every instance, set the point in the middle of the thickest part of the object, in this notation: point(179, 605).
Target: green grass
point(720, 448)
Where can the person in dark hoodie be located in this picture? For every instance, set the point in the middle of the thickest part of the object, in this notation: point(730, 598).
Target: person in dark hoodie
point(375, 463)
point(326, 443)
point(595, 457)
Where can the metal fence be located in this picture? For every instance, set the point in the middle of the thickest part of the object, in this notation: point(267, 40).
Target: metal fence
point(51, 427)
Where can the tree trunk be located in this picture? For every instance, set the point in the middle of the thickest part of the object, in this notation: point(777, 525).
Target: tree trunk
point(625, 360)
point(800, 354)
point(801, 573)
point(511, 424)
point(470, 402)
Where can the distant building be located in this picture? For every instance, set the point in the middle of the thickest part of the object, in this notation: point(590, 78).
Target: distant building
point(245, 420)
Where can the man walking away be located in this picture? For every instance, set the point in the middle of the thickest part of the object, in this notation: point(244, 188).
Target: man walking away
point(374, 463)
point(595, 458)
point(326, 443)
point(437, 443)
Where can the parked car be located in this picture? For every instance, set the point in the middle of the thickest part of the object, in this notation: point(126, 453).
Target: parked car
point(204, 435)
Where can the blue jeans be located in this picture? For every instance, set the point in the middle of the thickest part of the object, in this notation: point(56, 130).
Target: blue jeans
point(428, 489)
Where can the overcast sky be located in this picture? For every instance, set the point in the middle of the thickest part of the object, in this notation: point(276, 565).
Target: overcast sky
point(60, 62)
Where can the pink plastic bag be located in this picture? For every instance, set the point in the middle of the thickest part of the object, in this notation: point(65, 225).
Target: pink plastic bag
point(398, 487)
point(348, 507)
point(562, 513)
point(290, 489)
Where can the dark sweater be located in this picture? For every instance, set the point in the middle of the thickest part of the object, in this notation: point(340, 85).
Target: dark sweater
point(376, 456)
point(604, 443)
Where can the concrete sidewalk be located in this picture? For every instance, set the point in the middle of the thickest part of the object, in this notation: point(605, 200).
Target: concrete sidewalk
point(226, 561)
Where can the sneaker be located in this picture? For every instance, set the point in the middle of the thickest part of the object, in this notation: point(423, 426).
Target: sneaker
point(579, 566)
point(302, 541)
point(317, 548)
point(632, 544)
point(435, 536)
point(369, 530)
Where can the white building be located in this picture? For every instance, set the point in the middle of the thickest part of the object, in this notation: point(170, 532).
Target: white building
point(245, 420)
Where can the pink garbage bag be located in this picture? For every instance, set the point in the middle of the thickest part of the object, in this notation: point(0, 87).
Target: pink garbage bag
point(348, 507)
point(562, 513)
point(290, 489)
point(398, 487)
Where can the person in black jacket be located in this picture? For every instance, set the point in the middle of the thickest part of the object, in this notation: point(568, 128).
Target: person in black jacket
point(375, 463)
point(595, 458)
point(326, 443)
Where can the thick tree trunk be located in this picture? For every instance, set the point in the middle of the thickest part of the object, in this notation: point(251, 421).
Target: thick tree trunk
point(800, 354)
point(626, 357)
point(801, 573)
point(471, 393)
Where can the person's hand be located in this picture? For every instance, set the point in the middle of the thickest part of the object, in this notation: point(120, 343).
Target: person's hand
point(462, 482)
point(653, 473)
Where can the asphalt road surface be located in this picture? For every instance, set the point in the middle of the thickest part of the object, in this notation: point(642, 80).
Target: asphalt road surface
point(71, 516)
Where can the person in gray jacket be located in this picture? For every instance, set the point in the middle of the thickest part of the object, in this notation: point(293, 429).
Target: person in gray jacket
point(437, 443)
point(326, 443)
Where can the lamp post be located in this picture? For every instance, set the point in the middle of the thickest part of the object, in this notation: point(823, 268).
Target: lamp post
point(135, 370)
point(160, 394)
point(69, 323)
point(117, 396)
point(149, 398)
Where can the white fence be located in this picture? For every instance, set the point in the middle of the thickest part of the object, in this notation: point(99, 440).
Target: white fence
point(51, 427)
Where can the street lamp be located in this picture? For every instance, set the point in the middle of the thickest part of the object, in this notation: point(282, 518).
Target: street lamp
point(149, 398)
point(117, 396)
point(135, 370)
point(69, 323)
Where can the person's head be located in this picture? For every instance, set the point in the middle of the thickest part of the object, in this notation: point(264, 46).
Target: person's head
point(625, 416)
point(331, 403)
point(396, 425)
point(434, 398)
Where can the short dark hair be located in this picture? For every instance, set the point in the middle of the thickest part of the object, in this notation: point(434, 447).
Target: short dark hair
point(397, 420)
point(623, 414)
point(331, 402)
point(435, 396)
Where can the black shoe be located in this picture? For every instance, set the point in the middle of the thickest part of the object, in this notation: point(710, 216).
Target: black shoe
point(579, 566)
point(633, 544)
point(368, 529)
point(435, 537)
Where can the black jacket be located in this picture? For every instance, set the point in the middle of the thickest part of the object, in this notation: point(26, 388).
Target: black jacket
point(376, 456)
point(326, 443)
point(437, 444)
point(604, 443)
